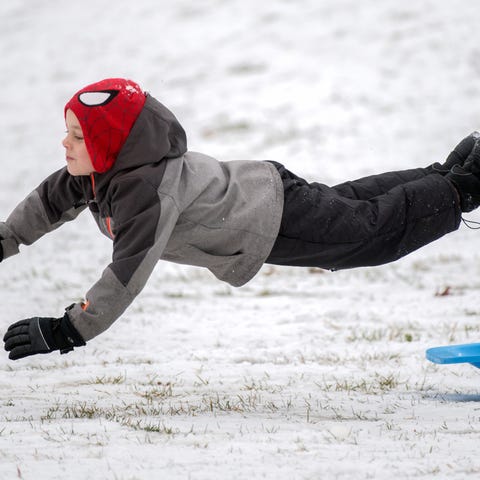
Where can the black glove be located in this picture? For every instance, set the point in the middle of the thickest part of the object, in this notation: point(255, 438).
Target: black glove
point(41, 335)
point(466, 180)
point(457, 157)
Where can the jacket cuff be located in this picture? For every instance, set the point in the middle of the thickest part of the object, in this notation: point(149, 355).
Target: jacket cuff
point(8, 243)
point(70, 332)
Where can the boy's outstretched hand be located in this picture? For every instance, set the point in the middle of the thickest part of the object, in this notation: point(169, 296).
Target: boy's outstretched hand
point(466, 179)
point(41, 335)
point(458, 156)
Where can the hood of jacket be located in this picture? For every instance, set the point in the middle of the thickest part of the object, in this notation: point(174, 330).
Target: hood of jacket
point(156, 135)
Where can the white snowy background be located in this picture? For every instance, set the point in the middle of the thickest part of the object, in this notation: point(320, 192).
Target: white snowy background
point(299, 374)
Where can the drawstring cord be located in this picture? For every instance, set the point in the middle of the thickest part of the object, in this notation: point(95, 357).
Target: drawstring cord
point(469, 223)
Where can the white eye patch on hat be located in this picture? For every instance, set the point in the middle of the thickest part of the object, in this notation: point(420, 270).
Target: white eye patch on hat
point(97, 99)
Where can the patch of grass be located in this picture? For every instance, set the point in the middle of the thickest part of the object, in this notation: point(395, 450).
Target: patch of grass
point(253, 385)
point(387, 334)
point(107, 380)
point(157, 392)
point(376, 385)
point(51, 413)
point(157, 401)
point(149, 427)
point(126, 415)
point(83, 410)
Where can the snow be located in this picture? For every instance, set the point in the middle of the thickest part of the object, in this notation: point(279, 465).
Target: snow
point(300, 374)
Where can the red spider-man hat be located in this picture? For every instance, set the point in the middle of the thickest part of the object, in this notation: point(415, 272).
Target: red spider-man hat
point(106, 111)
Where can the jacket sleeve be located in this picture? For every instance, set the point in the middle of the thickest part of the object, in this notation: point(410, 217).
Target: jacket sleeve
point(143, 222)
point(56, 200)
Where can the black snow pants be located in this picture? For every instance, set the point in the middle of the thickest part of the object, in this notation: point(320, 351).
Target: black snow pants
point(370, 221)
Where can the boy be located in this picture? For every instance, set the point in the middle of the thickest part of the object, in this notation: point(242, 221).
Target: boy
point(128, 163)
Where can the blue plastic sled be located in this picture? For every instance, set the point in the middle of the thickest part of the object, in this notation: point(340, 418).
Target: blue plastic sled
point(467, 353)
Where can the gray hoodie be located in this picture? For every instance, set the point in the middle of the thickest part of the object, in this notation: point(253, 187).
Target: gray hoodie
point(159, 201)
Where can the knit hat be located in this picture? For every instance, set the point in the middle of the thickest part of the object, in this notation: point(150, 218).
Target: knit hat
point(106, 111)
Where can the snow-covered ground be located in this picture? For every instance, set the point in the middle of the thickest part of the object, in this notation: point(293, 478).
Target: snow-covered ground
point(300, 374)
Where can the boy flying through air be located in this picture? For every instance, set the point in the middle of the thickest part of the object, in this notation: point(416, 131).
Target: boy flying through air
point(128, 163)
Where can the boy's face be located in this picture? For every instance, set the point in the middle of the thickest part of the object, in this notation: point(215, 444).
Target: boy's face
point(78, 159)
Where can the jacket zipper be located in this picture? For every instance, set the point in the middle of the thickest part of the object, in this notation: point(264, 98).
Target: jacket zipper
point(108, 220)
point(92, 179)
